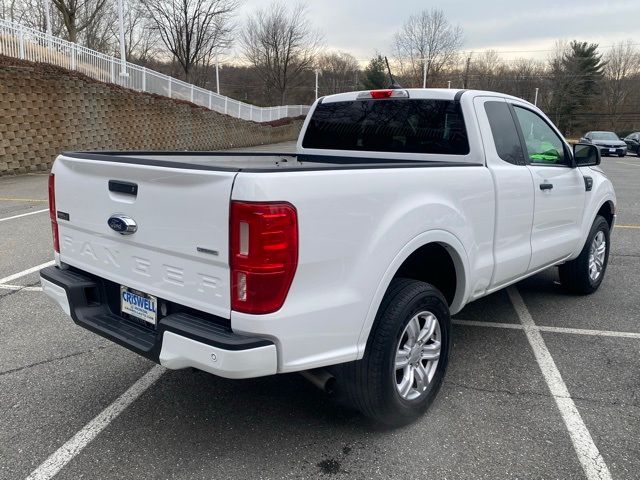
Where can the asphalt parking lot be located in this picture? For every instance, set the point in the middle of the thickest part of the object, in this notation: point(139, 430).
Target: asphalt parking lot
point(537, 381)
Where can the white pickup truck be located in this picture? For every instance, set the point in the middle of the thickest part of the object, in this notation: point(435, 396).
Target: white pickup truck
point(344, 261)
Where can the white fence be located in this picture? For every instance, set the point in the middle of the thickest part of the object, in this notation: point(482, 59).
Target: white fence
point(28, 44)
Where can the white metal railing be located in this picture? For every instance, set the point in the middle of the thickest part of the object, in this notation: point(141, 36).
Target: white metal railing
point(28, 44)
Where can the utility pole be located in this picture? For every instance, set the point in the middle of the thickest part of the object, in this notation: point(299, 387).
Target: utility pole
point(217, 73)
point(535, 99)
point(47, 15)
point(465, 83)
point(424, 72)
point(317, 74)
point(123, 59)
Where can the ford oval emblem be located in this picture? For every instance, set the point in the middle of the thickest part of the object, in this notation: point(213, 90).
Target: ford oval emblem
point(122, 224)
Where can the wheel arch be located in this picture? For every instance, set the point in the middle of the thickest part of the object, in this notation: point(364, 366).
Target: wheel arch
point(446, 247)
point(607, 210)
point(600, 200)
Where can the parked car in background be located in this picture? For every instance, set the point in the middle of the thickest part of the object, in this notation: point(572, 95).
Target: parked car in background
point(633, 142)
point(608, 142)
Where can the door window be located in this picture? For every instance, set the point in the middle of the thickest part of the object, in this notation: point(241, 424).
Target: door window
point(505, 135)
point(543, 145)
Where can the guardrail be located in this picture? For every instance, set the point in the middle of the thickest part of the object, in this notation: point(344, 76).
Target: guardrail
point(28, 44)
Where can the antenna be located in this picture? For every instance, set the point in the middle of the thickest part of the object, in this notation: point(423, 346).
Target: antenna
point(394, 85)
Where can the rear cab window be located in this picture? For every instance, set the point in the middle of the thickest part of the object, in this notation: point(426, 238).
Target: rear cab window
point(427, 126)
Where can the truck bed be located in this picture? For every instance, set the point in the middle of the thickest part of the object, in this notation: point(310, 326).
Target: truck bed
point(251, 161)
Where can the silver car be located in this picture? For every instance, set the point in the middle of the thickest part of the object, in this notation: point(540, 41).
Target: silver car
point(608, 142)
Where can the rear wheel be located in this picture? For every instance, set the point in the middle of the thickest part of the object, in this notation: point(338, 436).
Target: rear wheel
point(406, 355)
point(585, 274)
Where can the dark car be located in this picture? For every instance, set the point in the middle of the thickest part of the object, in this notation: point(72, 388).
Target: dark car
point(633, 142)
point(608, 142)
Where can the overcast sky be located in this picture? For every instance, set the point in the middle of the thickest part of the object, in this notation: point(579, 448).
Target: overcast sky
point(515, 27)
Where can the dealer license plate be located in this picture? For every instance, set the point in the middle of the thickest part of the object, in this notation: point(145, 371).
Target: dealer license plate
point(139, 305)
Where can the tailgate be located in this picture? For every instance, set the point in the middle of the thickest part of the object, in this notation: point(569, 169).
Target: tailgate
point(180, 249)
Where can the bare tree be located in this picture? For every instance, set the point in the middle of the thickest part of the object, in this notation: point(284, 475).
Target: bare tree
point(623, 63)
point(101, 34)
point(140, 38)
point(527, 74)
point(339, 72)
point(10, 10)
point(426, 37)
point(486, 71)
point(78, 15)
point(31, 14)
point(281, 44)
point(192, 30)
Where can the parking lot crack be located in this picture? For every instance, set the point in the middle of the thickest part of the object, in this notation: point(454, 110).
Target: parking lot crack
point(606, 403)
point(499, 390)
point(13, 292)
point(43, 362)
point(593, 401)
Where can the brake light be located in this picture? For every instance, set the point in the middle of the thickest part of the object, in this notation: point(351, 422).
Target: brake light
point(382, 94)
point(377, 94)
point(263, 255)
point(52, 212)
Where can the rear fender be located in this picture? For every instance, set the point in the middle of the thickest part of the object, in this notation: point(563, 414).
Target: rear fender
point(460, 260)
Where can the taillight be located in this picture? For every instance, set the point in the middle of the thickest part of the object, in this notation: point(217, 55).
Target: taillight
point(263, 255)
point(52, 212)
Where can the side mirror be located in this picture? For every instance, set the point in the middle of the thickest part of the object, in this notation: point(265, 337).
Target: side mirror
point(586, 155)
point(584, 140)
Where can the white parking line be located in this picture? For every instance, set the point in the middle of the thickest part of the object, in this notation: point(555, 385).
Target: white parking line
point(52, 465)
point(542, 328)
point(588, 454)
point(584, 331)
point(23, 215)
point(26, 272)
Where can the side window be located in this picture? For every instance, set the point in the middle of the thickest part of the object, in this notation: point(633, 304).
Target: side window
point(542, 143)
point(504, 132)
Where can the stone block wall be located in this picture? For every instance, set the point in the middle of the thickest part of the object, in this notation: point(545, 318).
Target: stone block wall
point(45, 110)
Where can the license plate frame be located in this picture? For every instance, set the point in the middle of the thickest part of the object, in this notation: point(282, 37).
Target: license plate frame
point(141, 306)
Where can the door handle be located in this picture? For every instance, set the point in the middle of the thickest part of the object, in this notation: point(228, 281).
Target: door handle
point(546, 186)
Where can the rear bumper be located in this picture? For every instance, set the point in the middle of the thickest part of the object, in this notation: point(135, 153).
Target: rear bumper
point(180, 340)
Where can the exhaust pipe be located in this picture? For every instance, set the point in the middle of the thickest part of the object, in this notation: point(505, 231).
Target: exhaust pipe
point(321, 378)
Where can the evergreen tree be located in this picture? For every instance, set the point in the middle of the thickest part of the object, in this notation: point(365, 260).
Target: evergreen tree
point(375, 75)
point(576, 80)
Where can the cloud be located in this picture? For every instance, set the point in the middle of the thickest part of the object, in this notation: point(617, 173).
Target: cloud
point(363, 27)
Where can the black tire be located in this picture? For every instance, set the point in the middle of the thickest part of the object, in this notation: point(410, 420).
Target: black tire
point(370, 384)
point(574, 275)
point(622, 154)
